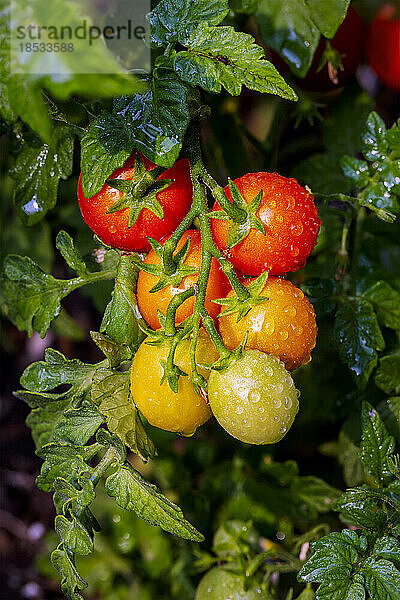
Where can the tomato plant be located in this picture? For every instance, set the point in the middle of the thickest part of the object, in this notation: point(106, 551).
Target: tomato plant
point(123, 215)
point(237, 226)
point(383, 48)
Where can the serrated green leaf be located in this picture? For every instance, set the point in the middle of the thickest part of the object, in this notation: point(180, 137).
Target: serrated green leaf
point(115, 352)
point(315, 492)
point(221, 56)
point(355, 169)
point(60, 460)
point(73, 499)
point(375, 144)
point(387, 376)
point(73, 535)
point(31, 298)
point(111, 394)
point(65, 245)
point(120, 320)
point(389, 409)
point(376, 444)
point(289, 29)
point(386, 301)
point(359, 509)
point(70, 578)
point(37, 172)
point(388, 548)
point(77, 425)
point(57, 414)
point(334, 558)
point(340, 590)
point(358, 337)
point(154, 122)
point(381, 579)
point(175, 20)
point(132, 492)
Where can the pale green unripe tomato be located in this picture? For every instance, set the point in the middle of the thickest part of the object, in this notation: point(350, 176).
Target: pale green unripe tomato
point(219, 584)
point(254, 398)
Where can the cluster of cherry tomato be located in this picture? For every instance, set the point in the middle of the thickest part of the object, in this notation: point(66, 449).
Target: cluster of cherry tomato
point(336, 60)
point(253, 397)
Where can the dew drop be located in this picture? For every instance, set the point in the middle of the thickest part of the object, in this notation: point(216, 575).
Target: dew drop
point(284, 335)
point(298, 393)
point(113, 229)
point(269, 327)
point(277, 402)
point(283, 429)
point(254, 396)
point(297, 229)
point(276, 418)
point(279, 388)
point(298, 331)
point(239, 410)
point(288, 403)
point(269, 371)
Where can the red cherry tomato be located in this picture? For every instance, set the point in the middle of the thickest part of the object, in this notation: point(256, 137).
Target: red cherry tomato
point(349, 44)
point(112, 228)
point(383, 45)
point(291, 226)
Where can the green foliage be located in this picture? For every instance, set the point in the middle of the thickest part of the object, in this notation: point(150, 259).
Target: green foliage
point(260, 509)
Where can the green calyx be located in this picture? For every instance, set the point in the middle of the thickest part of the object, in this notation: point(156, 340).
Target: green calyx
point(333, 59)
point(139, 192)
point(241, 216)
point(242, 307)
point(179, 271)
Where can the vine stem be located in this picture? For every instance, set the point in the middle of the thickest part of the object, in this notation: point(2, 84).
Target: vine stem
point(237, 214)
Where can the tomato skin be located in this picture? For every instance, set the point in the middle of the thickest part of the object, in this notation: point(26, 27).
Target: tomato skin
point(291, 222)
point(254, 399)
point(284, 325)
point(349, 42)
point(150, 303)
point(113, 229)
point(180, 412)
point(383, 45)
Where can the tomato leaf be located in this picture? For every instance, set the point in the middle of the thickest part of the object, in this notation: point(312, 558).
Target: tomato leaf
point(111, 393)
point(37, 172)
point(32, 298)
point(389, 410)
point(376, 444)
point(70, 578)
point(382, 579)
point(175, 20)
point(74, 535)
point(358, 337)
point(386, 301)
point(154, 122)
point(132, 492)
point(222, 57)
point(327, 15)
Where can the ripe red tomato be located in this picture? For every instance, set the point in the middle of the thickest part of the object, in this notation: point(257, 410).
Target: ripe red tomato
point(349, 43)
point(149, 303)
point(383, 45)
point(112, 228)
point(291, 225)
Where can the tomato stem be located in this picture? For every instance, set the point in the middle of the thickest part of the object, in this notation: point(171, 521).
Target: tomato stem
point(237, 214)
point(170, 327)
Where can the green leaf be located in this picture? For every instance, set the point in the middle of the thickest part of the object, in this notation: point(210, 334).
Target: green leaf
point(175, 20)
point(71, 499)
point(289, 29)
point(70, 578)
point(359, 508)
point(77, 425)
point(120, 318)
point(387, 376)
point(47, 419)
point(334, 558)
point(355, 169)
point(111, 393)
point(221, 56)
point(132, 492)
point(358, 336)
point(37, 172)
point(60, 460)
point(381, 579)
point(386, 302)
point(315, 492)
point(376, 444)
point(388, 548)
point(375, 144)
point(389, 409)
point(153, 122)
point(65, 245)
point(31, 298)
point(327, 15)
point(74, 535)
